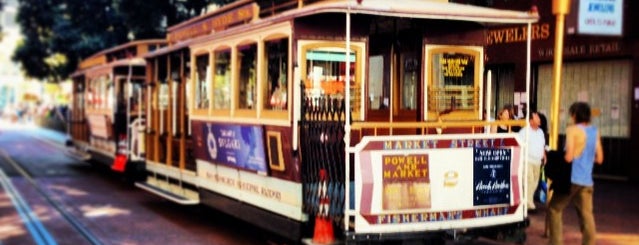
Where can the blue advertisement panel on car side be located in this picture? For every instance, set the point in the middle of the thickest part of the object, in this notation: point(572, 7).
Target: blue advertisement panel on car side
point(236, 145)
point(491, 176)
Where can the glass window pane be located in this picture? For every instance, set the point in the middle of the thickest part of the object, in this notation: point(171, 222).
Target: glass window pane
point(376, 98)
point(202, 76)
point(222, 80)
point(453, 84)
point(122, 94)
point(98, 94)
point(101, 93)
point(138, 97)
point(90, 94)
point(247, 56)
point(326, 71)
point(110, 93)
point(456, 69)
point(276, 54)
point(410, 74)
point(163, 96)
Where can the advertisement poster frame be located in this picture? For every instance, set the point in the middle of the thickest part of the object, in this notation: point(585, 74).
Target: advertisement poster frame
point(438, 182)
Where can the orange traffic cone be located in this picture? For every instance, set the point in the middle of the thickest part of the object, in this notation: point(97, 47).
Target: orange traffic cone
point(119, 163)
point(323, 231)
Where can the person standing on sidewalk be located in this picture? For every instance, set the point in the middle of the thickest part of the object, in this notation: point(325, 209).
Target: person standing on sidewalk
point(536, 156)
point(504, 114)
point(583, 149)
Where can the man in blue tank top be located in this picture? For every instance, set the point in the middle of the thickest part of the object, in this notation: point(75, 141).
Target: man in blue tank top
point(583, 149)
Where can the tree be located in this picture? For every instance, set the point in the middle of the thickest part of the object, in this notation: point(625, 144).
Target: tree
point(149, 19)
point(32, 50)
point(1, 6)
point(58, 34)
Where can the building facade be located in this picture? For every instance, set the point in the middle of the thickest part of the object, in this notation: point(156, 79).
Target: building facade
point(600, 66)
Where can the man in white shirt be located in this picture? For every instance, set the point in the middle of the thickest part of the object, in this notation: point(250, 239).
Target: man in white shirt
point(536, 155)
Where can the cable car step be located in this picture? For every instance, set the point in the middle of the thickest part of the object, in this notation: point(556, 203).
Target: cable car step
point(77, 152)
point(167, 194)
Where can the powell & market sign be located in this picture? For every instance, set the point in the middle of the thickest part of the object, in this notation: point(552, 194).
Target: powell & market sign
point(433, 180)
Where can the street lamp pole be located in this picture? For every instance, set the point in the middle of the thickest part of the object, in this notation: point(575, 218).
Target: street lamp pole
point(559, 8)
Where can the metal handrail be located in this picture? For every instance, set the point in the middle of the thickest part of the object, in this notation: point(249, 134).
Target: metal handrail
point(424, 127)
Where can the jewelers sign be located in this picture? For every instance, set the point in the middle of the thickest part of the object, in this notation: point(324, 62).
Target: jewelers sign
point(434, 182)
point(600, 17)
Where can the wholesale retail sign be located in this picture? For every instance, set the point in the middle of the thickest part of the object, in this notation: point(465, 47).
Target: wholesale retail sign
point(432, 182)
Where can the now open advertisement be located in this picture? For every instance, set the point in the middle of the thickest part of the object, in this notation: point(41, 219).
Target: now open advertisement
point(434, 182)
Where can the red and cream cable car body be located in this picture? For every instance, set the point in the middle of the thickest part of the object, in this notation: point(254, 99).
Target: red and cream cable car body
point(249, 104)
point(107, 118)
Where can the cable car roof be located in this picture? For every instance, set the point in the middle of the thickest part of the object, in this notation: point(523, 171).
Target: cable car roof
point(423, 9)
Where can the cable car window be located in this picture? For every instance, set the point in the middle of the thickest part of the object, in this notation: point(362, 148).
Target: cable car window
point(454, 82)
point(79, 97)
point(100, 93)
point(202, 76)
point(247, 56)
point(163, 96)
point(376, 98)
point(91, 94)
point(323, 72)
point(276, 53)
point(222, 80)
point(138, 97)
point(326, 70)
point(130, 94)
point(110, 93)
point(410, 75)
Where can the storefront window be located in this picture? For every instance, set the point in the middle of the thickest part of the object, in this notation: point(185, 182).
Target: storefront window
point(222, 80)
point(276, 53)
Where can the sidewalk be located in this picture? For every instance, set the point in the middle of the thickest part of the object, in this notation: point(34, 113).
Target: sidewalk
point(616, 216)
point(47, 134)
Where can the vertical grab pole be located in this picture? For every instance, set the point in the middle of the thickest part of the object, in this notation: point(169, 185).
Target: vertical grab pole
point(527, 116)
point(128, 96)
point(347, 124)
point(528, 46)
point(489, 94)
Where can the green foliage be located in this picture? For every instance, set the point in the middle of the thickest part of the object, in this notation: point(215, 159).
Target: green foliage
point(1, 6)
point(67, 31)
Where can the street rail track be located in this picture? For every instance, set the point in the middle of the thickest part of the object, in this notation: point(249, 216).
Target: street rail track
point(37, 230)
